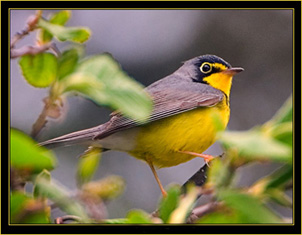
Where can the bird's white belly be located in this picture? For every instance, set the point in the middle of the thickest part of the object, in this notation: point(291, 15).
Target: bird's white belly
point(120, 141)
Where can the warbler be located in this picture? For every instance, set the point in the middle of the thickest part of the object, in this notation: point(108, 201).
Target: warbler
point(182, 124)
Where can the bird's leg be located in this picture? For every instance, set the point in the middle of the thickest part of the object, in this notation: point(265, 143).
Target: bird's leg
point(157, 179)
point(207, 158)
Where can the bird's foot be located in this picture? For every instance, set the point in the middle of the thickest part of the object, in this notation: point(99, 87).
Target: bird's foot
point(207, 158)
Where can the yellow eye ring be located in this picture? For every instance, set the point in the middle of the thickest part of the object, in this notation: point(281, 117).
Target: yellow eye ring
point(206, 68)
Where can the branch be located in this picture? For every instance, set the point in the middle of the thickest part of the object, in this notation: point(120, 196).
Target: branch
point(200, 211)
point(18, 36)
point(198, 179)
point(31, 25)
point(51, 109)
point(29, 50)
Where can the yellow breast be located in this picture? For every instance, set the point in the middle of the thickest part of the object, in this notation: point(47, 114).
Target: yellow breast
point(192, 131)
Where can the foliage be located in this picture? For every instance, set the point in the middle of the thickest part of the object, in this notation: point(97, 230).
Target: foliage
point(88, 164)
point(260, 144)
point(25, 209)
point(101, 79)
point(26, 155)
point(39, 70)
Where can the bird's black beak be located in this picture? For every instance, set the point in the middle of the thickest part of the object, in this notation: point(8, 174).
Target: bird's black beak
point(232, 71)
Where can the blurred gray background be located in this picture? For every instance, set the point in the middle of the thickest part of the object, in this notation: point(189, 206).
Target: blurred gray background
point(150, 44)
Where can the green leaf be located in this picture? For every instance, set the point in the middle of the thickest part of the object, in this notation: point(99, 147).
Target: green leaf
point(88, 164)
point(45, 175)
point(101, 79)
point(273, 185)
point(169, 203)
point(61, 198)
point(254, 145)
point(75, 34)
point(67, 62)
point(285, 113)
point(59, 18)
point(17, 201)
point(26, 210)
point(221, 217)
point(26, 155)
point(39, 217)
point(250, 208)
point(283, 132)
point(39, 70)
point(138, 217)
point(280, 197)
point(280, 177)
point(180, 214)
point(280, 127)
point(219, 174)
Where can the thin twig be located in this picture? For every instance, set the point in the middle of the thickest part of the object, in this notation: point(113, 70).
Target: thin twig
point(18, 36)
point(51, 109)
point(200, 211)
point(39, 123)
point(205, 209)
point(31, 25)
point(29, 50)
point(55, 49)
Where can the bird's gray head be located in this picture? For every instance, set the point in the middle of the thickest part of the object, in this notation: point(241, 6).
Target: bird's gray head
point(203, 66)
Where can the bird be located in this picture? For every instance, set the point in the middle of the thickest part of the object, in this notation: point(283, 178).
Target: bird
point(182, 123)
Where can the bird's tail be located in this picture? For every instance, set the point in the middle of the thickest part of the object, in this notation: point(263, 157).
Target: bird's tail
point(78, 137)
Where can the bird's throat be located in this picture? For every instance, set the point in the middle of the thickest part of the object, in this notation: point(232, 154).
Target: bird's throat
point(221, 82)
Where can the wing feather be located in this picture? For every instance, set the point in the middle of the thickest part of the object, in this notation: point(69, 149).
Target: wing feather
point(167, 102)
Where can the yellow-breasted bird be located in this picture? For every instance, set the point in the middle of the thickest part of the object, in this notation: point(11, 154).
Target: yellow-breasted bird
point(181, 125)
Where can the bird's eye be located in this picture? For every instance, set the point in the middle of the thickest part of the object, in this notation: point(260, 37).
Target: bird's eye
point(206, 67)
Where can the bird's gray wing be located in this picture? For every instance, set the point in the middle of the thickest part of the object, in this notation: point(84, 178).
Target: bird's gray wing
point(168, 100)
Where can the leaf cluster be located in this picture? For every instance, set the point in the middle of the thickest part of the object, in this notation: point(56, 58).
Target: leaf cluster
point(98, 78)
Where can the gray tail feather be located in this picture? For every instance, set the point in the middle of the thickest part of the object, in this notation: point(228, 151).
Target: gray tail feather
point(78, 137)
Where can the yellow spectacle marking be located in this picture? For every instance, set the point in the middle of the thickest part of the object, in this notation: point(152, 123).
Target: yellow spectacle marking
point(220, 66)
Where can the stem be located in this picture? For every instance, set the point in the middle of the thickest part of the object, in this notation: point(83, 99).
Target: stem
point(52, 108)
point(31, 25)
point(18, 36)
point(200, 211)
point(29, 50)
point(40, 122)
